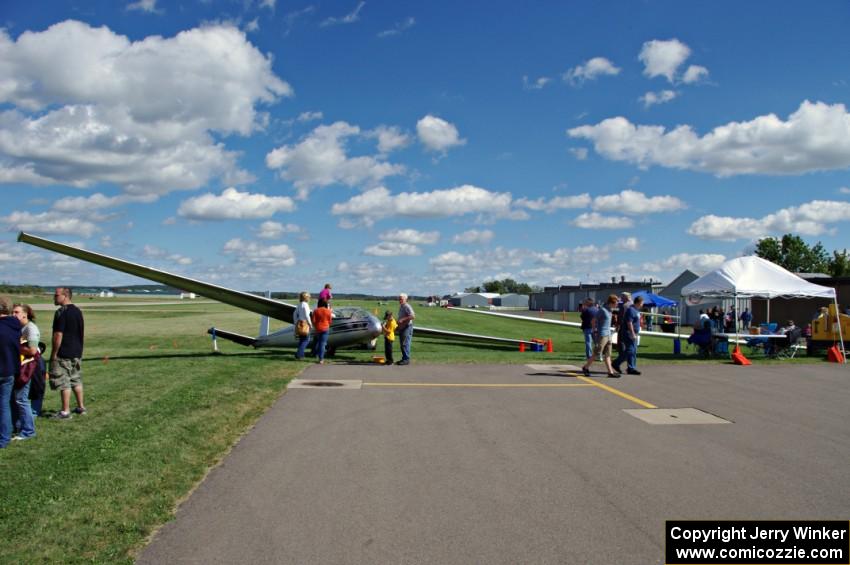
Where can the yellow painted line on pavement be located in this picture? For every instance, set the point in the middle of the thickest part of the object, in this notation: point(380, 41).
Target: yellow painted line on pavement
point(483, 385)
point(613, 390)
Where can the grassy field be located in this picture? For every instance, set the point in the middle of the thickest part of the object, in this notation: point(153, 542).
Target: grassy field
point(164, 409)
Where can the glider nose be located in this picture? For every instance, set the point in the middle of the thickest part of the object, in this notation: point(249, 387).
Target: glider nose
point(375, 326)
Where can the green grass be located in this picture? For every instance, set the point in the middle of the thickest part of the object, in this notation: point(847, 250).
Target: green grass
point(164, 409)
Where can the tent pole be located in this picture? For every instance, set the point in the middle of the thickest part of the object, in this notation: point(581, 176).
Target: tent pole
point(838, 320)
point(735, 320)
point(768, 314)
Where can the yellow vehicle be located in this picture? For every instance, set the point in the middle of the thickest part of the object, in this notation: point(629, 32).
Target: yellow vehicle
point(825, 329)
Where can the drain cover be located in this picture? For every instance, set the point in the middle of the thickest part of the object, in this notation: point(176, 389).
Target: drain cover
point(675, 416)
point(326, 383)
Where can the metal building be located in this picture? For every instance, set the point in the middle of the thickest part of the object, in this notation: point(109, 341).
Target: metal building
point(512, 301)
point(472, 299)
point(568, 298)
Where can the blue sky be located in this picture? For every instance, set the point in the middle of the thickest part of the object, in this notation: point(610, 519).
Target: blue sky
point(419, 147)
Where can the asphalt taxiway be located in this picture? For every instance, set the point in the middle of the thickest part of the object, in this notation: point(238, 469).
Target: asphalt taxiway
point(516, 464)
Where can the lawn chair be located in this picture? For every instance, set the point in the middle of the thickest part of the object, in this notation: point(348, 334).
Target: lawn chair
point(787, 349)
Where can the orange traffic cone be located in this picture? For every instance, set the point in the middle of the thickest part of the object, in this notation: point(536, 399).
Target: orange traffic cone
point(548, 346)
point(738, 357)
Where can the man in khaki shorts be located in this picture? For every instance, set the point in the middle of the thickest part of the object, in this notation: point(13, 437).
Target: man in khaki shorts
point(603, 337)
point(65, 372)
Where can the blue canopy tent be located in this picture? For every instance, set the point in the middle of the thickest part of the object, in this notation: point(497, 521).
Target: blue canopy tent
point(653, 300)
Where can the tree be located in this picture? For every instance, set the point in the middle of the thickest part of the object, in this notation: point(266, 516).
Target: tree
point(839, 265)
point(794, 254)
point(497, 287)
point(506, 286)
point(472, 289)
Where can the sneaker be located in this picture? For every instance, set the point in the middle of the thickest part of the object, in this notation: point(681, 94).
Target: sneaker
point(633, 372)
point(79, 410)
point(403, 362)
point(617, 369)
point(585, 371)
point(62, 416)
point(613, 375)
point(19, 438)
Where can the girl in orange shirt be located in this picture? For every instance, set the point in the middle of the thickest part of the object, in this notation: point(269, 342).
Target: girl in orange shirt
point(321, 323)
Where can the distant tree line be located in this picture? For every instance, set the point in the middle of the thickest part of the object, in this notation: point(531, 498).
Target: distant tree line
point(794, 254)
point(504, 286)
point(20, 289)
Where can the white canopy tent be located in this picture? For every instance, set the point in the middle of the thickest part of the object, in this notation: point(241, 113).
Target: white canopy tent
point(754, 277)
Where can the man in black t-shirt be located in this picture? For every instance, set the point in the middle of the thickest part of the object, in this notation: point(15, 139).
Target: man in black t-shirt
point(65, 371)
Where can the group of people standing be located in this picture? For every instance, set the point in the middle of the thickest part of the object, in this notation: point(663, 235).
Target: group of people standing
point(316, 324)
point(23, 372)
point(404, 326)
point(600, 321)
point(719, 321)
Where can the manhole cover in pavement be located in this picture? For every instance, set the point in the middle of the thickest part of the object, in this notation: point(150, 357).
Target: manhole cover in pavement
point(326, 384)
point(667, 416)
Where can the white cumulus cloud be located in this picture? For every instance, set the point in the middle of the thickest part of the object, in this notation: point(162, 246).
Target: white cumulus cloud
point(273, 230)
point(50, 223)
point(320, 159)
point(90, 106)
point(438, 135)
point(411, 236)
point(695, 73)
point(633, 202)
point(379, 203)
point(474, 237)
point(811, 218)
point(590, 70)
point(815, 137)
point(661, 97)
point(663, 58)
point(390, 138)
point(596, 221)
point(536, 84)
point(234, 205)
point(257, 255)
point(148, 6)
point(556, 203)
point(627, 244)
point(153, 252)
point(392, 249)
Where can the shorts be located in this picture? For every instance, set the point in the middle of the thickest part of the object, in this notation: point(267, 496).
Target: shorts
point(66, 374)
point(603, 346)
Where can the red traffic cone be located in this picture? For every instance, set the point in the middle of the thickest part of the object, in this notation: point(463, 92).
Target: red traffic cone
point(521, 346)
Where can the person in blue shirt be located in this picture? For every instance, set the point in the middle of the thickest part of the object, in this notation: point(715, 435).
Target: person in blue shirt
point(603, 336)
point(588, 317)
point(10, 366)
point(746, 318)
point(629, 330)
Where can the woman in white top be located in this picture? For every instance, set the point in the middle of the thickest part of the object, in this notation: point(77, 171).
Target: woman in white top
point(23, 413)
point(302, 312)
